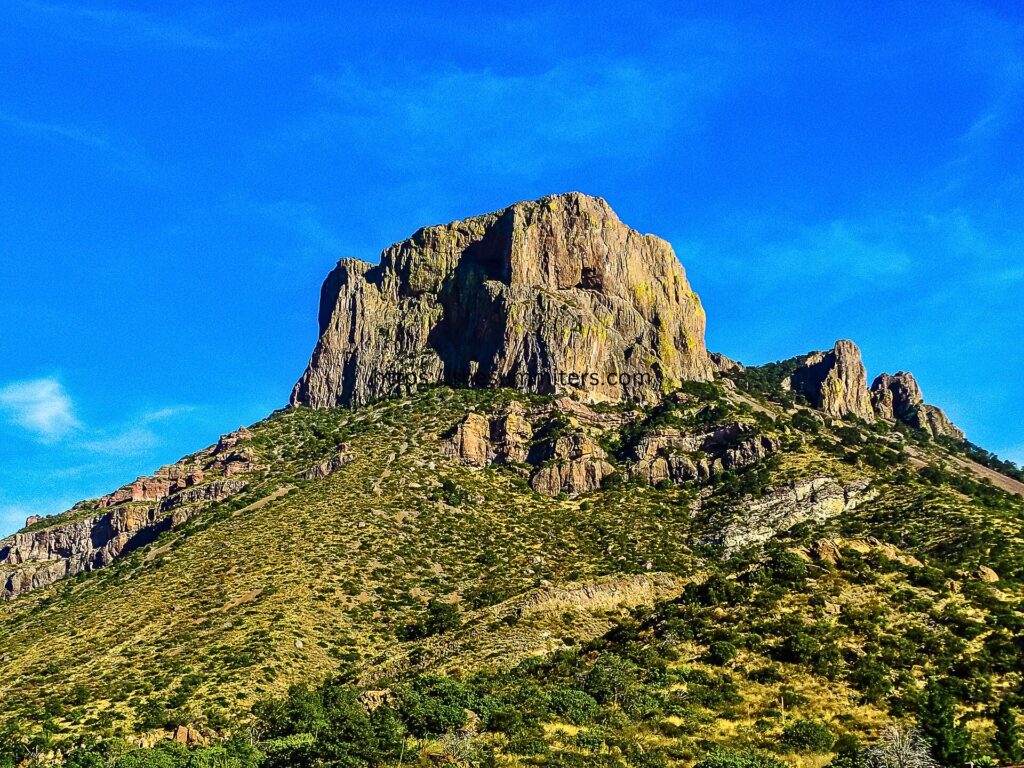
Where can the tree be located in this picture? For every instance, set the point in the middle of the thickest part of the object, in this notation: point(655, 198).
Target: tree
point(900, 748)
point(611, 678)
point(1007, 741)
point(950, 741)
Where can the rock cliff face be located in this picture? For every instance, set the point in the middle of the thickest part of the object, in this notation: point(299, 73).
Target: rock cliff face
point(898, 397)
point(124, 520)
point(571, 464)
point(835, 382)
point(668, 454)
point(815, 499)
point(555, 295)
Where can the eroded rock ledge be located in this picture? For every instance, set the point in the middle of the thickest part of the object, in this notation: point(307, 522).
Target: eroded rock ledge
point(812, 500)
point(124, 520)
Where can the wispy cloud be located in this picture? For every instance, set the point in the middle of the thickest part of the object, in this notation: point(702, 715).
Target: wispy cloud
point(119, 154)
point(122, 27)
point(40, 406)
point(162, 414)
point(71, 133)
point(571, 113)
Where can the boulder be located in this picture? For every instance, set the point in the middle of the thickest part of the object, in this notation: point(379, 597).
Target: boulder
point(986, 574)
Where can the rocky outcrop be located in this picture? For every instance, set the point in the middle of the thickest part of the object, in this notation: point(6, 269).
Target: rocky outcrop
point(98, 532)
point(571, 464)
point(723, 364)
point(229, 457)
point(481, 440)
point(328, 466)
point(815, 500)
point(551, 296)
point(669, 454)
point(834, 382)
point(895, 397)
point(898, 398)
point(831, 550)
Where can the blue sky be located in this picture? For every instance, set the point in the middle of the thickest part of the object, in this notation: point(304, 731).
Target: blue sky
point(176, 181)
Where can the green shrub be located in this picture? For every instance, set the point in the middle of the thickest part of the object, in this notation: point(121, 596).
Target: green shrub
point(721, 652)
point(574, 706)
point(808, 736)
point(723, 757)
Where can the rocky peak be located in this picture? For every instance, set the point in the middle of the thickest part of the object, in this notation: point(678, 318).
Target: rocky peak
point(898, 398)
point(835, 382)
point(555, 295)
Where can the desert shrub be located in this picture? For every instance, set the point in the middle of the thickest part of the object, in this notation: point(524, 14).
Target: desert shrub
point(808, 736)
point(721, 652)
point(574, 706)
point(723, 757)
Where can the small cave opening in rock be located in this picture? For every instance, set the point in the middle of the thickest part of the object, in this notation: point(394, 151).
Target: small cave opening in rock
point(592, 279)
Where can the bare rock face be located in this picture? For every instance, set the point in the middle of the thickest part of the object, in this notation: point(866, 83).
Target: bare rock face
point(723, 364)
point(898, 398)
point(551, 296)
point(572, 464)
point(668, 454)
point(481, 440)
point(816, 499)
point(835, 382)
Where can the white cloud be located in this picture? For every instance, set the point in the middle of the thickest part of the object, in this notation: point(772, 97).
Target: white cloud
point(40, 406)
point(161, 414)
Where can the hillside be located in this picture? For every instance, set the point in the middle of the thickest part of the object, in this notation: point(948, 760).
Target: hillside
point(778, 558)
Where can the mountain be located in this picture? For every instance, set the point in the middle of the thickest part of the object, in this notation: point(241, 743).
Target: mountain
point(516, 514)
point(537, 293)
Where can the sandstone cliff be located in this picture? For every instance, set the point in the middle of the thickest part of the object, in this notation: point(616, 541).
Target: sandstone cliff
point(555, 295)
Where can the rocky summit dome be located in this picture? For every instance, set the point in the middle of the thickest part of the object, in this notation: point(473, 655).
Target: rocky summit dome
point(551, 296)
